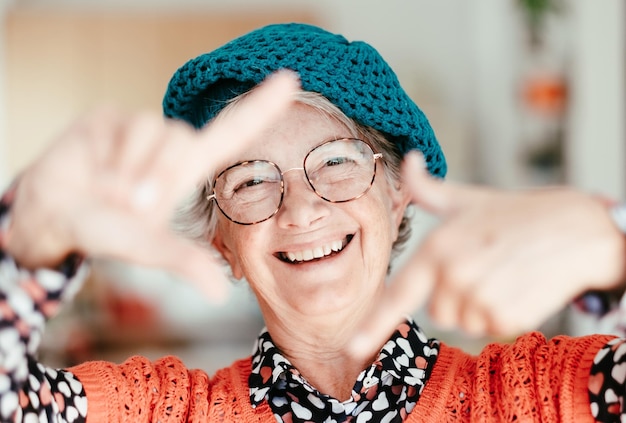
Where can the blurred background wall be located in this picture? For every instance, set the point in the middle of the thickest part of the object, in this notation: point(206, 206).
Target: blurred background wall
point(518, 96)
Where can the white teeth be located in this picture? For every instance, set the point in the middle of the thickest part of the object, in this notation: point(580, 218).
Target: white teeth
point(317, 252)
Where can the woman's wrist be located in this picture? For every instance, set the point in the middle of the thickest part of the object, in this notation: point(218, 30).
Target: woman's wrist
point(602, 301)
point(68, 265)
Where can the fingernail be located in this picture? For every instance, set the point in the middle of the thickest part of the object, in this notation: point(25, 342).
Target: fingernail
point(285, 73)
point(417, 159)
point(217, 290)
point(360, 345)
point(221, 292)
point(474, 324)
point(209, 279)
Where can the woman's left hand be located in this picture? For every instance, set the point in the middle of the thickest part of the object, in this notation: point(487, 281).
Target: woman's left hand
point(108, 186)
point(499, 262)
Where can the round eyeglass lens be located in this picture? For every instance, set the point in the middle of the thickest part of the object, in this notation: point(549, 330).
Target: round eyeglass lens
point(341, 170)
point(249, 192)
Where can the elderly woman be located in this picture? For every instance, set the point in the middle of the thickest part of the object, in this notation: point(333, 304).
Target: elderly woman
point(310, 214)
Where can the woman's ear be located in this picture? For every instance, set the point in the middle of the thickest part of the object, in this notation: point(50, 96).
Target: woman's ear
point(400, 199)
point(227, 252)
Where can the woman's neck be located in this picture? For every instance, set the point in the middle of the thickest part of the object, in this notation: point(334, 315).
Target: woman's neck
point(318, 349)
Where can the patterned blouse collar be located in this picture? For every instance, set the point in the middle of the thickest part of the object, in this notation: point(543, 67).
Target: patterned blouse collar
point(405, 361)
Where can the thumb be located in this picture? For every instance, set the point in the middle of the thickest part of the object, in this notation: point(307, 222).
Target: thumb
point(113, 235)
point(431, 194)
point(408, 291)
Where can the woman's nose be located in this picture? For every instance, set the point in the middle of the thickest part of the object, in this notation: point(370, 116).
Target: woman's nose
point(301, 205)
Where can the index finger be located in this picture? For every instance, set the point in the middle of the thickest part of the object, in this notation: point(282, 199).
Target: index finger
point(233, 131)
point(436, 196)
point(206, 150)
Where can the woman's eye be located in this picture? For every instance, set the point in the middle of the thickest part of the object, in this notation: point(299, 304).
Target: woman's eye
point(249, 183)
point(336, 161)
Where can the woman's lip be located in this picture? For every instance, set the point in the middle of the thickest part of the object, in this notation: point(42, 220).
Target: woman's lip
point(313, 254)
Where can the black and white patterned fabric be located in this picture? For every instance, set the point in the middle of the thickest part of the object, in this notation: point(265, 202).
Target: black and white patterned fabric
point(387, 391)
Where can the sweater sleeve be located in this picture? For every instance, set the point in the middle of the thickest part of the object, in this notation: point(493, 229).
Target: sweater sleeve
point(135, 391)
point(141, 391)
point(29, 391)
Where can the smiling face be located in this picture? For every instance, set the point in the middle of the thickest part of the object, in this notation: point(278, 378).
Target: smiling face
point(313, 258)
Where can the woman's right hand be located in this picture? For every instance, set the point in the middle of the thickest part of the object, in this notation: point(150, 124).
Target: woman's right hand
point(498, 262)
point(107, 187)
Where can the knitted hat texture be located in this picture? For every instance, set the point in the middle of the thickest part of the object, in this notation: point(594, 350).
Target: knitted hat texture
point(352, 75)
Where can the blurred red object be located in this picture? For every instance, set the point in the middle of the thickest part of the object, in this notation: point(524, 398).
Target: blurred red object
point(126, 309)
point(545, 94)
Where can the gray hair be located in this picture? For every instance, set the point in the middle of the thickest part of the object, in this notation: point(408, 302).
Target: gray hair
point(196, 218)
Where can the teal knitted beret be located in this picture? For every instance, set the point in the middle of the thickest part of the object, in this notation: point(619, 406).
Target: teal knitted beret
point(352, 75)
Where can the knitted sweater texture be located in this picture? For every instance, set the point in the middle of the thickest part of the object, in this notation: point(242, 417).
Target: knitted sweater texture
point(530, 380)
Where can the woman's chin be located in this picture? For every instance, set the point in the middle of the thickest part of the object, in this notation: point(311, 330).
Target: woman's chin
point(329, 304)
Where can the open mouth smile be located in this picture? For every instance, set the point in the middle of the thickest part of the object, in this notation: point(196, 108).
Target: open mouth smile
point(317, 253)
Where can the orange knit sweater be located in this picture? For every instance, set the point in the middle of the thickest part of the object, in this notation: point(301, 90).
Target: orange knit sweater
point(530, 380)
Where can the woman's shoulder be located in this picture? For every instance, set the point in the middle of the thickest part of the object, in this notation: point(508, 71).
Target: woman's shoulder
point(166, 386)
point(530, 375)
point(239, 370)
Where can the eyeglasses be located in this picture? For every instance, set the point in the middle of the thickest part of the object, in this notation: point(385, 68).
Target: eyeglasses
point(338, 171)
